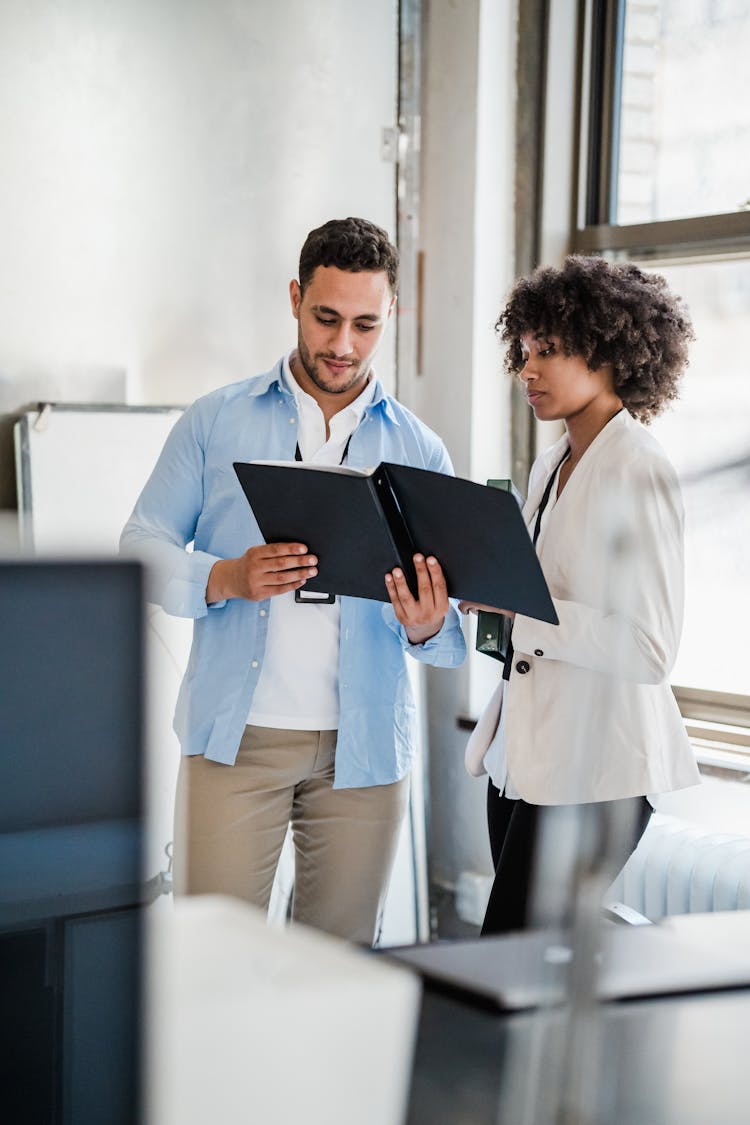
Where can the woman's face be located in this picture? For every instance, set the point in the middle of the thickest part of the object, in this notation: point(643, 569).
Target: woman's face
point(559, 386)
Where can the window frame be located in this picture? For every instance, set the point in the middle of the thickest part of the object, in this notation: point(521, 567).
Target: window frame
point(602, 28)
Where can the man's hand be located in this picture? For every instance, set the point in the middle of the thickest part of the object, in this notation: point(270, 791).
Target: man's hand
point(423, 616)
point(262, 572)
point(475, 607)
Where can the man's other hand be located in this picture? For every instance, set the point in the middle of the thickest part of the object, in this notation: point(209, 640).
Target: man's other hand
point(423, 616)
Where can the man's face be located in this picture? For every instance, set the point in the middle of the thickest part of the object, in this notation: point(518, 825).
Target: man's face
point(342, 317)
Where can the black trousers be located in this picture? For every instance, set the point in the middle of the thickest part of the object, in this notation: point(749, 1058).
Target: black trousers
point(514, 830)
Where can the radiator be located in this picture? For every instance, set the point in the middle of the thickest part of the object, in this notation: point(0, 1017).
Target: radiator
point(678, 868)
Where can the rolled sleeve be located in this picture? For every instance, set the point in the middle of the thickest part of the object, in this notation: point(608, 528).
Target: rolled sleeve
point(185, 594)
point(447, 649)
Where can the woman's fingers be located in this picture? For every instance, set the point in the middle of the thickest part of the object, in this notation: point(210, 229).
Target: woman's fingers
point(477, 607)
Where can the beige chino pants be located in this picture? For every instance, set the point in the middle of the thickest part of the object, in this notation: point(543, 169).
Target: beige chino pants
point(231, 821)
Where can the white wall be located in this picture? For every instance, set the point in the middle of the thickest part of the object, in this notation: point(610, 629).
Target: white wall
point(162, 161)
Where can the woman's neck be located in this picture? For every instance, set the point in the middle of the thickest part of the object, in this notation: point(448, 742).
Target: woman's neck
point(583, 427)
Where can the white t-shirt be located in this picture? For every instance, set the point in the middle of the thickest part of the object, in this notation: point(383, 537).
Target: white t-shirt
point(298, 688)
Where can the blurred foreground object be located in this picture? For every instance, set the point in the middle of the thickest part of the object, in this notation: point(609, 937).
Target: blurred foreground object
point(71, 839)
point(249, 1023)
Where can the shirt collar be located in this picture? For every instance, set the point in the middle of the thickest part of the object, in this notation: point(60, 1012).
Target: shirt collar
point(622, 419)
point(357, 407)
point(275, 378)
point(263, 383)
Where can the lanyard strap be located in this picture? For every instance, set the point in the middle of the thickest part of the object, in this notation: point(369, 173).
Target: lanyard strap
point(298, 455)
point(537, 528)
point(546, 495)
point(300, 596)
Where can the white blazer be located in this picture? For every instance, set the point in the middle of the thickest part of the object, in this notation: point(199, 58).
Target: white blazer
point(589, 713)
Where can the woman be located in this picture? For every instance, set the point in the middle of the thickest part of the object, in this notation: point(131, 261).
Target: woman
point(585, 712)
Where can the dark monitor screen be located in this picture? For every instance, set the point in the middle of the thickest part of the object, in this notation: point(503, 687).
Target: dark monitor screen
point(71, 828)
point(71, 636)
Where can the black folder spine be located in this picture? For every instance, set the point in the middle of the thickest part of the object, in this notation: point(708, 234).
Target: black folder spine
point(398, 530)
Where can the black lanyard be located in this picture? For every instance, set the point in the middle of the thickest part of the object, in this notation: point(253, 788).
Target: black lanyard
point(537, 528)
point(546, 495)
point(298, 455)
point(317, 598)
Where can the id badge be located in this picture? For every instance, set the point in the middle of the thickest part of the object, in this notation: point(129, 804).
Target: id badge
point(313, 596)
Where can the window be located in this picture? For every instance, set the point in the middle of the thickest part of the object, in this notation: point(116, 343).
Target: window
point(707, 435)
point(665, 181)
point(683, 142)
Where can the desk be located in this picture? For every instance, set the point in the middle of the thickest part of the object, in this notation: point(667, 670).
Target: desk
point(676, 1061)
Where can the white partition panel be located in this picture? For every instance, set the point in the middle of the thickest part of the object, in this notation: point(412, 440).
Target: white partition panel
point(80, 470)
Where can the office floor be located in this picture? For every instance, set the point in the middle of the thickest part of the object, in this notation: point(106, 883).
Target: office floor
point(445, 924)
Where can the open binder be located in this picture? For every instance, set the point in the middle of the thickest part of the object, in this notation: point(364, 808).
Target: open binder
point(361, 523)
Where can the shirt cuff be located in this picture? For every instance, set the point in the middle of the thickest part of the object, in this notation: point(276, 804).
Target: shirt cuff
point(185, 595)
point(446, 648)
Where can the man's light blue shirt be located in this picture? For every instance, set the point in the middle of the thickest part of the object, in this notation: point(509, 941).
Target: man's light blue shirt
point(193, 498)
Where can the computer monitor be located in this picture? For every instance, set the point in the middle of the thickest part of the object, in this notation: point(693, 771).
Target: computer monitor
point(71, 637)
point(71, 838)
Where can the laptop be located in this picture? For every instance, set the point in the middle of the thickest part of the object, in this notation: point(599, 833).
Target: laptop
point(681, 954)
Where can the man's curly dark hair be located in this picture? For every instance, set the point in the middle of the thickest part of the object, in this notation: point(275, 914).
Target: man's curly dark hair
point(608, 313)
point(349, 244)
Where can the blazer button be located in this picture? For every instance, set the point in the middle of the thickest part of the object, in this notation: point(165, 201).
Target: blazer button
point(538, 652)
point(523, 667)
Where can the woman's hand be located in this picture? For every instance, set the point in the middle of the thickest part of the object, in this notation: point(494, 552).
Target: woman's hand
point(422, 617)
point(475, 607)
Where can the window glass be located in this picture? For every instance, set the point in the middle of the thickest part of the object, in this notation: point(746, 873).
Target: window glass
point(684, 138)
point(707, 436)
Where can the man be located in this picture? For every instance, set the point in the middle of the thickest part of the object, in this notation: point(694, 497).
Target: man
point(293, 711)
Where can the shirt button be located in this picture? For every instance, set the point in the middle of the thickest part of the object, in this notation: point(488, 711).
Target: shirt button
point(538, 652)
point(263, 614)
point(523, 667)
point(254, 664)
point(292, 421)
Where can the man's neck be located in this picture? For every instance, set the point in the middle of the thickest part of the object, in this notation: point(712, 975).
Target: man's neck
point(329, 403)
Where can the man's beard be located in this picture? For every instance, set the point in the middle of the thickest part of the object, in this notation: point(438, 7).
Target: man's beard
point(314, 373)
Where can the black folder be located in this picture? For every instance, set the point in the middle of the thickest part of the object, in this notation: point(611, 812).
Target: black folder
point(363, 523)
